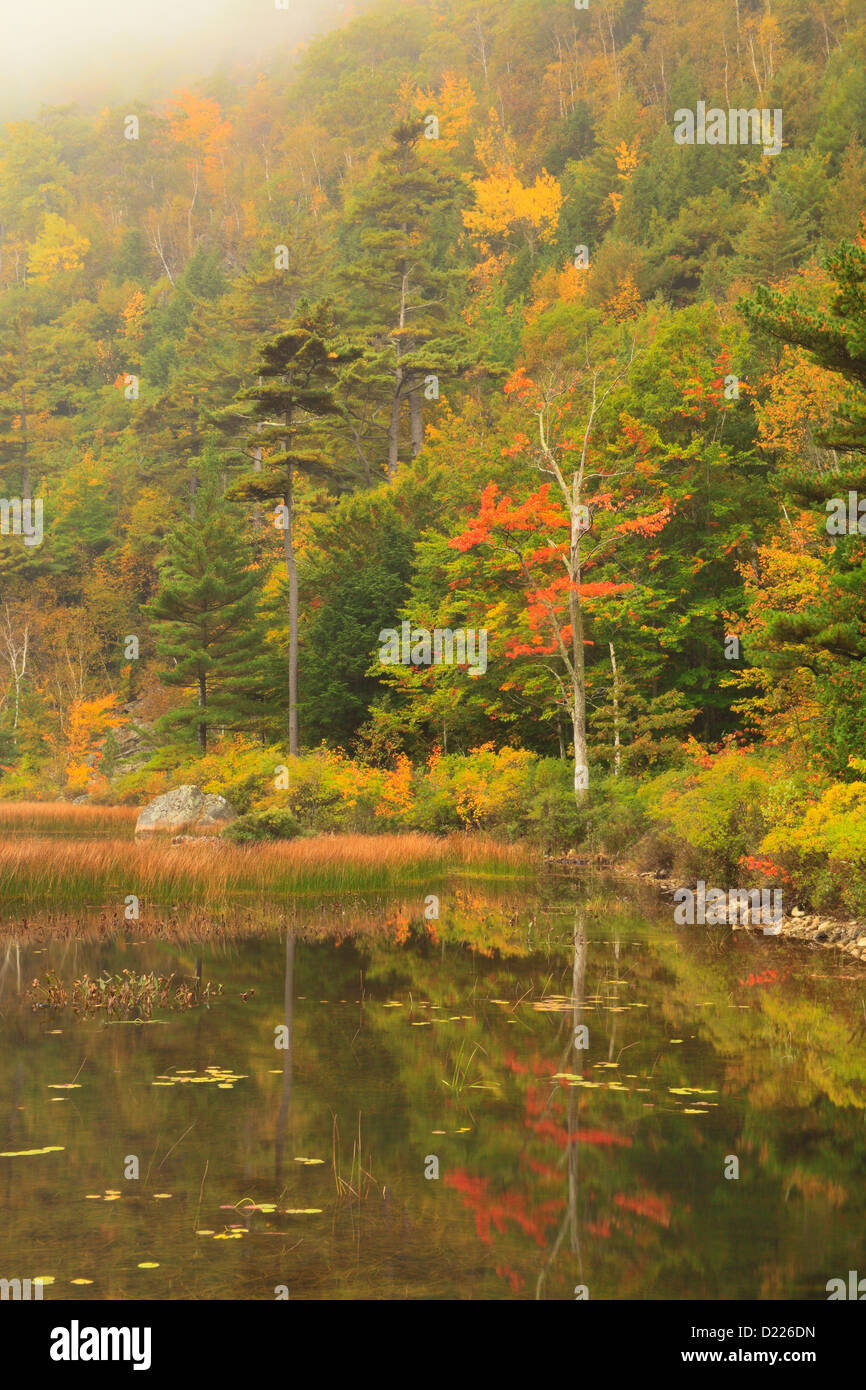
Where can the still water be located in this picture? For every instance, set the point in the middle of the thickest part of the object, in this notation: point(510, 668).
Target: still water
point(413, 1046)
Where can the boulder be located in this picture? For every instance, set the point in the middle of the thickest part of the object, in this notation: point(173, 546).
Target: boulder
point(184, 811)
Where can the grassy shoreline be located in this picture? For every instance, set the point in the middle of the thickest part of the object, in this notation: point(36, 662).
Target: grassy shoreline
point(36, 874)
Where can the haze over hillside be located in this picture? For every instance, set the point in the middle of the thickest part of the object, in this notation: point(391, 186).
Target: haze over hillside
point(97, 52)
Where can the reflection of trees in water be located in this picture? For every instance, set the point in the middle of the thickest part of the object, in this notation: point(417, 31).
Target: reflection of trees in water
point(605, 1190)
point(570, 1219)
point(286, 1088)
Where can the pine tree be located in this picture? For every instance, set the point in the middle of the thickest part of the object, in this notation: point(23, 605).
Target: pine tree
point(775, 242)
point(295, 394)
point(401, 294)
point(208, 630)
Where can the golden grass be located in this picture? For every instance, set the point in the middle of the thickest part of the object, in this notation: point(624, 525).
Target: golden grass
point(62, 818)
point(38, 875)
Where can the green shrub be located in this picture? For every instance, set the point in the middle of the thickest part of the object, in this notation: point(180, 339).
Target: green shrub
point(273, 824)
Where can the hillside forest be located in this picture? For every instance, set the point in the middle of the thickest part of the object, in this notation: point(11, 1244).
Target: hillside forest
point(432, 326)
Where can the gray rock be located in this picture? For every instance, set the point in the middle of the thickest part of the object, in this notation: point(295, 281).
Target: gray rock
point(185, 811)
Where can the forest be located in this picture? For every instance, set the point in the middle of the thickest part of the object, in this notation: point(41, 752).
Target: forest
point(437, 328)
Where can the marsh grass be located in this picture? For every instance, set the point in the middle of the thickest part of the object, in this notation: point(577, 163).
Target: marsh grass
point(38, 875)
point(22, 818)
point(127, 995)
point(357, 1183)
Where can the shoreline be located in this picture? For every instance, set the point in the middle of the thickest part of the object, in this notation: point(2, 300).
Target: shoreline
point(815, 928)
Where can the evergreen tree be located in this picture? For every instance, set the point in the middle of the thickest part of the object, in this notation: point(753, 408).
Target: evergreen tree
point(829, 637)
point(295, 394)
point(208, 630)
point(776, 240)
point(402, 289)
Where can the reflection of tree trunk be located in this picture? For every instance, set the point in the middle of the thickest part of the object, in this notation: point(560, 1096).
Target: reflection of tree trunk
point(569, 1221)
point(616, 746)
point(288, 1019)
point(578, 977)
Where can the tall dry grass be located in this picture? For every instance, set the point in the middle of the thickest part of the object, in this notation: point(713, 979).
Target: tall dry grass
point(37, 875)
point(62, 818)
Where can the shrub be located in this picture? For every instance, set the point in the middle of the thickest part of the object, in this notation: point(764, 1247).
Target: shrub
point(272, 824)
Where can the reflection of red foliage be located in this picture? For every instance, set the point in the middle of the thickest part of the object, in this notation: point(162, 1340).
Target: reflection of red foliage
point(512, 1276)
point(523, 1068)
point(598, 1228)
point(548, 1130)
point(500, 1209)
point(544, 1170)
point(656, 1208)
point(767, 977)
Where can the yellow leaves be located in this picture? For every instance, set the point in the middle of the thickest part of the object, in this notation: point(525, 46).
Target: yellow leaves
point(454, 107)
point(626, 303)
point(801, 401)
point(507, 210)
point(133, 314)
point(626, 157)
point(58, 247)
point(554, 286)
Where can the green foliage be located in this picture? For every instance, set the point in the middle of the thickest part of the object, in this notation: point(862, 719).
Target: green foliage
point(271, 824)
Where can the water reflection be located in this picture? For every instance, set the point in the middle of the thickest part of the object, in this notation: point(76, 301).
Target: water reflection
point(282, 1132)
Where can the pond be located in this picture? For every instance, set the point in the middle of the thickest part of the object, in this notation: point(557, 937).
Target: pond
point(383, 1106)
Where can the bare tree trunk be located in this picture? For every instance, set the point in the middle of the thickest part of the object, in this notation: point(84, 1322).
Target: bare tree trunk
point(416, 422)
point(15, 652)
point(616, 746)
point(192, 204)
point(202, 702)
point(578, 680)
point(25, 457)
point(292, 573)
point(156, 243)
point(394, 427)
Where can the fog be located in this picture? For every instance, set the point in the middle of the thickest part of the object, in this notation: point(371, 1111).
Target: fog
point(106, 52)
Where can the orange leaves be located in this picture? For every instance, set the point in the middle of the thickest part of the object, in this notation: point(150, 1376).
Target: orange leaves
point(537, 513)
point(397, 795)
point(646, 525)
point(133, 314)
point(802, 401)
point(87, 724)
point(520, 385)
point(197, 123)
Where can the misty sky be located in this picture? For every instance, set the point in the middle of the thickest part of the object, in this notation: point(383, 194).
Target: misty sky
point(101, 52)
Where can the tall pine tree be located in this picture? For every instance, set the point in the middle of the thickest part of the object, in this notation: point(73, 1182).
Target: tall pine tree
point(294, 396)
point(207, 624)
